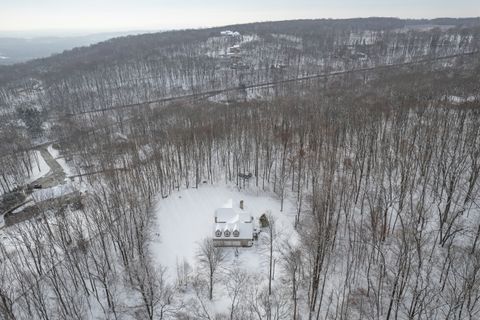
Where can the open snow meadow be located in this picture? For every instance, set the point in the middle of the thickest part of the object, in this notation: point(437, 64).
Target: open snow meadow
point(186, 218)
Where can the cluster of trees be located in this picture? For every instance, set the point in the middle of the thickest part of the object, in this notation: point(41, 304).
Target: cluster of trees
point(193, 67)
point(383, 168)
point(134, 70)
point(17, 158)
point(385, 175)
point(21, 121)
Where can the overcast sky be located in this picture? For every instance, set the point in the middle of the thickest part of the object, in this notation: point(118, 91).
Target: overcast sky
point(109, 15)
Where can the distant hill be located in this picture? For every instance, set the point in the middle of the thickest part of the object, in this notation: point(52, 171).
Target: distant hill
point(318, 36)
point(15, 49)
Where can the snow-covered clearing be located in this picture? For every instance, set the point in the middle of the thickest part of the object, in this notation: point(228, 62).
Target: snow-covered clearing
point(53, 192)
point(186, 217)
point(40, 168)
point(60, 159)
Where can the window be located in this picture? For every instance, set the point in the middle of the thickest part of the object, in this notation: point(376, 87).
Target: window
point(236, 233)
point(227, 233)
point(218, 233)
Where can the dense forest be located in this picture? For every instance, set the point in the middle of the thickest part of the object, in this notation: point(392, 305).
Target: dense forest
point(368, 128)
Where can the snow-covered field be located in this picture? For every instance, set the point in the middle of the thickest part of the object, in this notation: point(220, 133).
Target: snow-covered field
point(186, 217)
point(53, 192)
point(40, 168)
point(60, 159)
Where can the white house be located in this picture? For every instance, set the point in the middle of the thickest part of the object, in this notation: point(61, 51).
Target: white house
point(230, 33)
point(233, 227)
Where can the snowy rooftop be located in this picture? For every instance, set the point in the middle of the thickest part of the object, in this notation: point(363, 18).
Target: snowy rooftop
point(232, 223)
point(230, 33)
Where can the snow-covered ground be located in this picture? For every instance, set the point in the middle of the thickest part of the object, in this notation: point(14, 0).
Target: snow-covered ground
point(40, 168)
point(60, 159)
point(458, 100)
point(53, 192)
point(186, 217)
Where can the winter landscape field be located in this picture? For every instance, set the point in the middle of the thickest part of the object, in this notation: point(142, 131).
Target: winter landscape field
point(290, 169)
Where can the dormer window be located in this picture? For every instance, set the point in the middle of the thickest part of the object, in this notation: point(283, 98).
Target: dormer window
point(233, 227)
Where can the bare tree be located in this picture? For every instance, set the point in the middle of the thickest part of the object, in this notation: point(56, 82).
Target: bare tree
point(269, 241)
point(211, 259)
point(292, 265)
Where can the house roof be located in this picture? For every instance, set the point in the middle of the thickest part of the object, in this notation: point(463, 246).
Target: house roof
point(230, 33)
point(232, 224)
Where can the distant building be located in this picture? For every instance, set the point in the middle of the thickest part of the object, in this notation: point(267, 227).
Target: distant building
point(229, 33)
point(239, 66)
point(233, 227)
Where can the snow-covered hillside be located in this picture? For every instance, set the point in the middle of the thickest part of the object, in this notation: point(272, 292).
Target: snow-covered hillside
point(358, 140)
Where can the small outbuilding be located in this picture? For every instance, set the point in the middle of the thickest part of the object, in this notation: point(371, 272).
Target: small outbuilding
point(263, 221)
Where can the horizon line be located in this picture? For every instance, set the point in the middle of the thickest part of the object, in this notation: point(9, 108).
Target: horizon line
point(92, 31)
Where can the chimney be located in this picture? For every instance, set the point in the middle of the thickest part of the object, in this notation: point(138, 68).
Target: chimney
point(241, 204)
